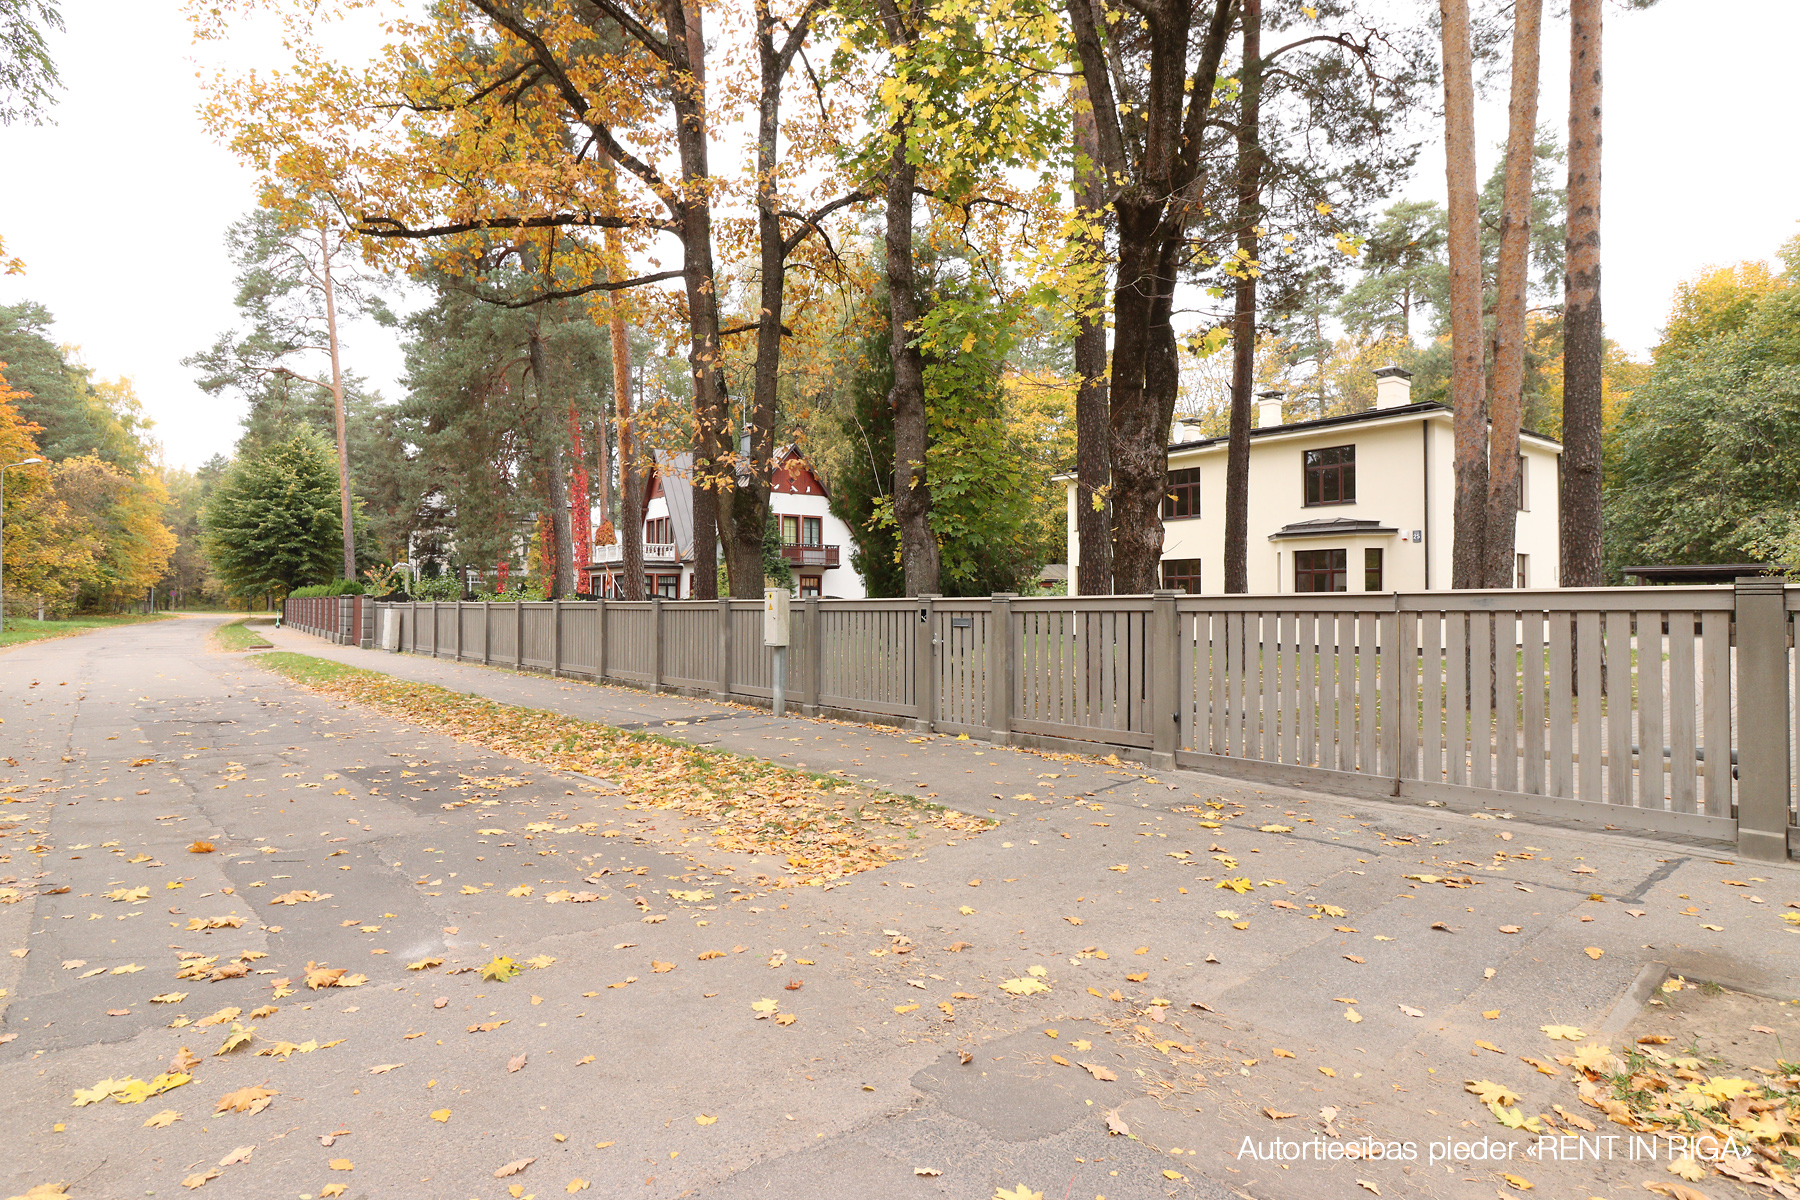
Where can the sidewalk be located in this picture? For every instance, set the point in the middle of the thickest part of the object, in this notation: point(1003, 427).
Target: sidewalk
point(1377, 957)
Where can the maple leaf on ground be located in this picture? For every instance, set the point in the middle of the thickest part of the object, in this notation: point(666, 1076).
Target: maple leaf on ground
point(1489, 1092)
point(1674, 1191)
point(331, 1190)
point(500, 970)
point(246, 1100)
point(163, 1119)
point(1019, 1193)
point(425, 964)
point(323, 977)
point(240, 1155)
point(1099, 1072)
point(441, 1115)
point(341, 1164)
point(1024, 987)
point(239, 1036)
point(514, 1167)
point(516, 1064)
point(1564, 1033)
point(200, 848)
point(194, 1181)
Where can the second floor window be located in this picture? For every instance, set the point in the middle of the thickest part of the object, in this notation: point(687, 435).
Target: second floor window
point(1181, 498)
point(656, 532)
point(812, 531)
point(1331, 476)
point(790, 531)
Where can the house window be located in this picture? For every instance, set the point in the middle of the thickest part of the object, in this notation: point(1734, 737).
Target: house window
point(810, 586)
point(1331, 476)
point(1321, 570)
point(1181, 498)
point(1181, 575)
point(812, 531)
point(657, 533)
point(1522, 570)
point(790, 531)
point(666, 586)
point(1524, 486)
point(1372, 569)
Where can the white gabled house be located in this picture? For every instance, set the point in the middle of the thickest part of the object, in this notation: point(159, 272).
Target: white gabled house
point(815, 543)
point(1355, 503)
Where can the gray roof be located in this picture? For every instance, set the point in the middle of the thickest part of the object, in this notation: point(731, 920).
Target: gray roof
point(677, 474)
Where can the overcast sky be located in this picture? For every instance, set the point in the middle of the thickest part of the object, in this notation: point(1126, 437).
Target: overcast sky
point(119, 210)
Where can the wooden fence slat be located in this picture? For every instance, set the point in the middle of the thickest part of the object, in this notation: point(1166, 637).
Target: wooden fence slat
point(1506, 702)
point(1481, 695)
point(1561, 682)
point(1618, 707)
point(1456, 699)
point(1683, 714)
point(1589, 707)
point(1366, 703)
point(1651, 776)
point(1532, 684)
point(1715, 691)
point(1307, 643)
point(1405, 657)
point(1388, 696)
point(1431, 671)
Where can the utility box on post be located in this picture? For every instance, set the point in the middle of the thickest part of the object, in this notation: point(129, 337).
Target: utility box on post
point(390, 630)
point(775, 616)
point(775, 636)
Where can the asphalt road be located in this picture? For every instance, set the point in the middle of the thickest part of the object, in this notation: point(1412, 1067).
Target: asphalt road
point(646, 1070)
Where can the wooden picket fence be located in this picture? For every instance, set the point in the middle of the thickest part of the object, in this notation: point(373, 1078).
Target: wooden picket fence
point(1668, 709)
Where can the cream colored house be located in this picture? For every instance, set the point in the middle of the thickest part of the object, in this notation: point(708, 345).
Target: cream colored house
point(1358, 503)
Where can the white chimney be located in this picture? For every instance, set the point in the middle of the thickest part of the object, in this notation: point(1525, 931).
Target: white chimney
point(1268, 409)
point(1393, 387)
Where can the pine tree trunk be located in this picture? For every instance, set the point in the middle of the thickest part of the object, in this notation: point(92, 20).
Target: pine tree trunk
point(337, 397)
point(556, 497)
point(1467, 388)
point(581, 526)
point(1243, 326)
point(1093, 434)
point(1583, 334)
point(1511, 277)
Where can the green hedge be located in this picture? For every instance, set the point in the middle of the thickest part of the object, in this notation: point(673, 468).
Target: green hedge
point(338, 587)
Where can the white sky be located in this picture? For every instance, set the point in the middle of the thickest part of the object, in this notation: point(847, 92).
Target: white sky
point(119, 210)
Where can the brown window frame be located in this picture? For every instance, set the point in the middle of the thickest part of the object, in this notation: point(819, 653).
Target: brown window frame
point(812, 531)
point(790, 525)
point(1181, 575)
point(1308, 567)
point(811, 585)
point(658, 525)
point(1372, 563)
point(1328, 469)
point(1181, 494)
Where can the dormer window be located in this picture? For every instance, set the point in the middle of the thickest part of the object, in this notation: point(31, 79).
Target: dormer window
point(1330, 476)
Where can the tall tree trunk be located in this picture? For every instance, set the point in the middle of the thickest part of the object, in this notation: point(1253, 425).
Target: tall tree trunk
point(556, 487)
point(1509, 307)
point(1093, 433)
point(702, 295)
point(630, 529)
point(581, 526)
point(1243, 326)
point(1467, 388)
point(912, 489)
point(1156, 196)
point(1583, 334)
point(337, 398)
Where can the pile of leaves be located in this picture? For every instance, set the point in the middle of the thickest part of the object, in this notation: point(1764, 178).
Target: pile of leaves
point(818, 825)
point(1749, 1130)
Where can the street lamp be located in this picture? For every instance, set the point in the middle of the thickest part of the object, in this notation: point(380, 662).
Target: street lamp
point(3, 470)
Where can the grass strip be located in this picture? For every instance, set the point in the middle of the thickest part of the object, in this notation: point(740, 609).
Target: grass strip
point(25, 629)
point(822, 827)
point(237, 635)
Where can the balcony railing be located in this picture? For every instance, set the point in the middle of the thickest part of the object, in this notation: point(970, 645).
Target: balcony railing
point(810, 556)
point(660, 553)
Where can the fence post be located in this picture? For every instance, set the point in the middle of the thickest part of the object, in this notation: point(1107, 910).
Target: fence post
point(1002, 658)
point(1762, 705)
point(725, 648)
point(459, 631)
point(557, 637)
point(434, 629)
point(487, 632)
point(656, 620)
point(924, 666)
point(600, 642)
point(815, 653)
point(518, 635)
point(1161, 663)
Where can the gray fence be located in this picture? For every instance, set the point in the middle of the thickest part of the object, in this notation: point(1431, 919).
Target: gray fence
point(1668, 709)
